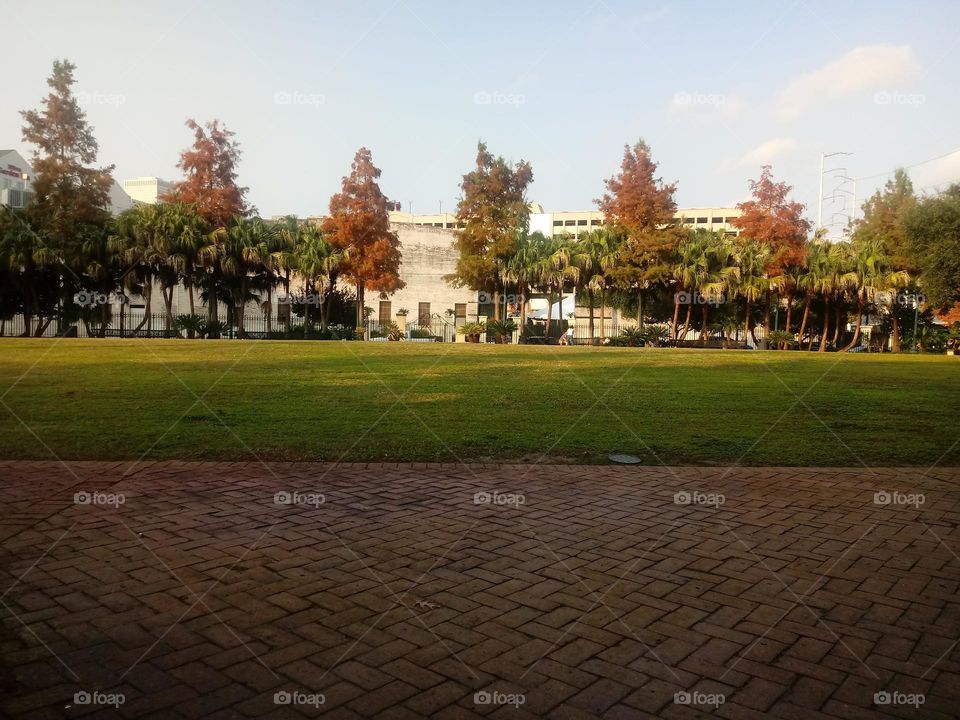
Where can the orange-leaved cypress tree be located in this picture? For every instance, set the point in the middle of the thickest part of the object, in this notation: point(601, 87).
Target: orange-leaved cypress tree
point(359, 223)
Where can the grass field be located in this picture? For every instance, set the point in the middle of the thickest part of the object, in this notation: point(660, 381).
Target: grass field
point(158, 399)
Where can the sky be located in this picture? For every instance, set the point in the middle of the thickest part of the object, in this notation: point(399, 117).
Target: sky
point(715, 88)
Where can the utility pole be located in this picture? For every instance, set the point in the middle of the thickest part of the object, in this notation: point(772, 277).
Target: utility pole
point(824, 156)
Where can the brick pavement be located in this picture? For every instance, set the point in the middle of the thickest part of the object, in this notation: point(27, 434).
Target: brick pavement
point(400, 596)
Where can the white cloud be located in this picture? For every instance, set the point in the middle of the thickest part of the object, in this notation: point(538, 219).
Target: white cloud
point(766, 153)
point(871, 67)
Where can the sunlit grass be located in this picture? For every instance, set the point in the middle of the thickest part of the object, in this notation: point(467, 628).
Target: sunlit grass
point(123, 399)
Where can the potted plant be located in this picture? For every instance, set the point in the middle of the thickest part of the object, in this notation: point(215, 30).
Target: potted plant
point(359, 333)
point(402, 312)
point(472, 331)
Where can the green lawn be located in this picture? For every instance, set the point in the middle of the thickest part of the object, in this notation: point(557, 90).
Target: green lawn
point(120, 399)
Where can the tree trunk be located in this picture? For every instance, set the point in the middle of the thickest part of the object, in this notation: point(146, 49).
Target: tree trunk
point(826, 323)
point(837, 313)
point(167, 294)
point(686, 323)
point(593, 340)
point(856, 330)
point(789, 310)
point(746, 321)
point(766, 318)
point(896, 330)
point(640, 308)
point(147, 297)
point(703, 330)
point(806, 314)
point(190, 295)
point(676, 317)
point(603, 314)
point(546, 332)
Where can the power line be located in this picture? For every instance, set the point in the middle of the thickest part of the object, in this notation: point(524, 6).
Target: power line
point(908, 167)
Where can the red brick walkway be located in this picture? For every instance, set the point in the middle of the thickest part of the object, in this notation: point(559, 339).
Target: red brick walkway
point(570, 592)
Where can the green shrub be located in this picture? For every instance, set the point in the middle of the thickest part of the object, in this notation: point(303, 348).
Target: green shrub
point(502, 330)
point(780, 339)
point(214, 329)
point(631, 337)
point(421, 333)
point(193, 325)
point(391, 331)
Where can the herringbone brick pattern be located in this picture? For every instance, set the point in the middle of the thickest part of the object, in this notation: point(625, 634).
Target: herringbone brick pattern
point(399, 596)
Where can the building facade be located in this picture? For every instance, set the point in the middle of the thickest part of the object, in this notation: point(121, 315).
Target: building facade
point(16, 179)
point(147, 190)
point(577, 222)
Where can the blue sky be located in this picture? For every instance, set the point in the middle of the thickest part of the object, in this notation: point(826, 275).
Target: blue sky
point(715, 88)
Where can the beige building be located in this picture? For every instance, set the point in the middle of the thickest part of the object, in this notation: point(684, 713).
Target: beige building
point(147, 189)
point(574, 223)
point(15, 179)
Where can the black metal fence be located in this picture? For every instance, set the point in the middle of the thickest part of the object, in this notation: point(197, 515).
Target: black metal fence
point(256, 326)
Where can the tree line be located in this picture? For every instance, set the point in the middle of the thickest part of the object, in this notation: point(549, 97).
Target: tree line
point(900, 262)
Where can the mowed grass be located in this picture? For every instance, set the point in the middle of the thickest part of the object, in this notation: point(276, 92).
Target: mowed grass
point(237, 400)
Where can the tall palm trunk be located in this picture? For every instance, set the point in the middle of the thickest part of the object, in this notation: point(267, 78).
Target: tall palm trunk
point(826, 323)
point(837, 315)
point(546, 332)
point(603, 314)
point(676, 317)
point(147, 314)
point(746, 321)
point(789, 310)
point(806, 314)
point(896, 331)
point(703, 330)
point(856, 330)
point(590, 300)
point(686, 323)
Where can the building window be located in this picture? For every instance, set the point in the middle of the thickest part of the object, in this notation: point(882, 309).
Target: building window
point(460, 310)
point(423, 314)
point(558, 223)
point(594, 222)
point(449, 225)
point(688, 221)
point(569, 222)
point(717, 220)
point(385, 312)
point(702, 221)
point(581, 222)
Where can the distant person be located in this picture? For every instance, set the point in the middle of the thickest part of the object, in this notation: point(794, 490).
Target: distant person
point(567, 337)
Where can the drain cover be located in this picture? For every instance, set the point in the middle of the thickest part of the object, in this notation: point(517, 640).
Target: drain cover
point(624, 459)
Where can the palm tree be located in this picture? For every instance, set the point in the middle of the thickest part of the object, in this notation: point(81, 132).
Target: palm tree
point(688, 269)
point(869, 275)
point(318, 263)
point(554, 269)
point(808, 279)
point(595, 254)
point(523, 268)
point(752, 282)
point(140, 242)
point(718, 273)
point(240, 250)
